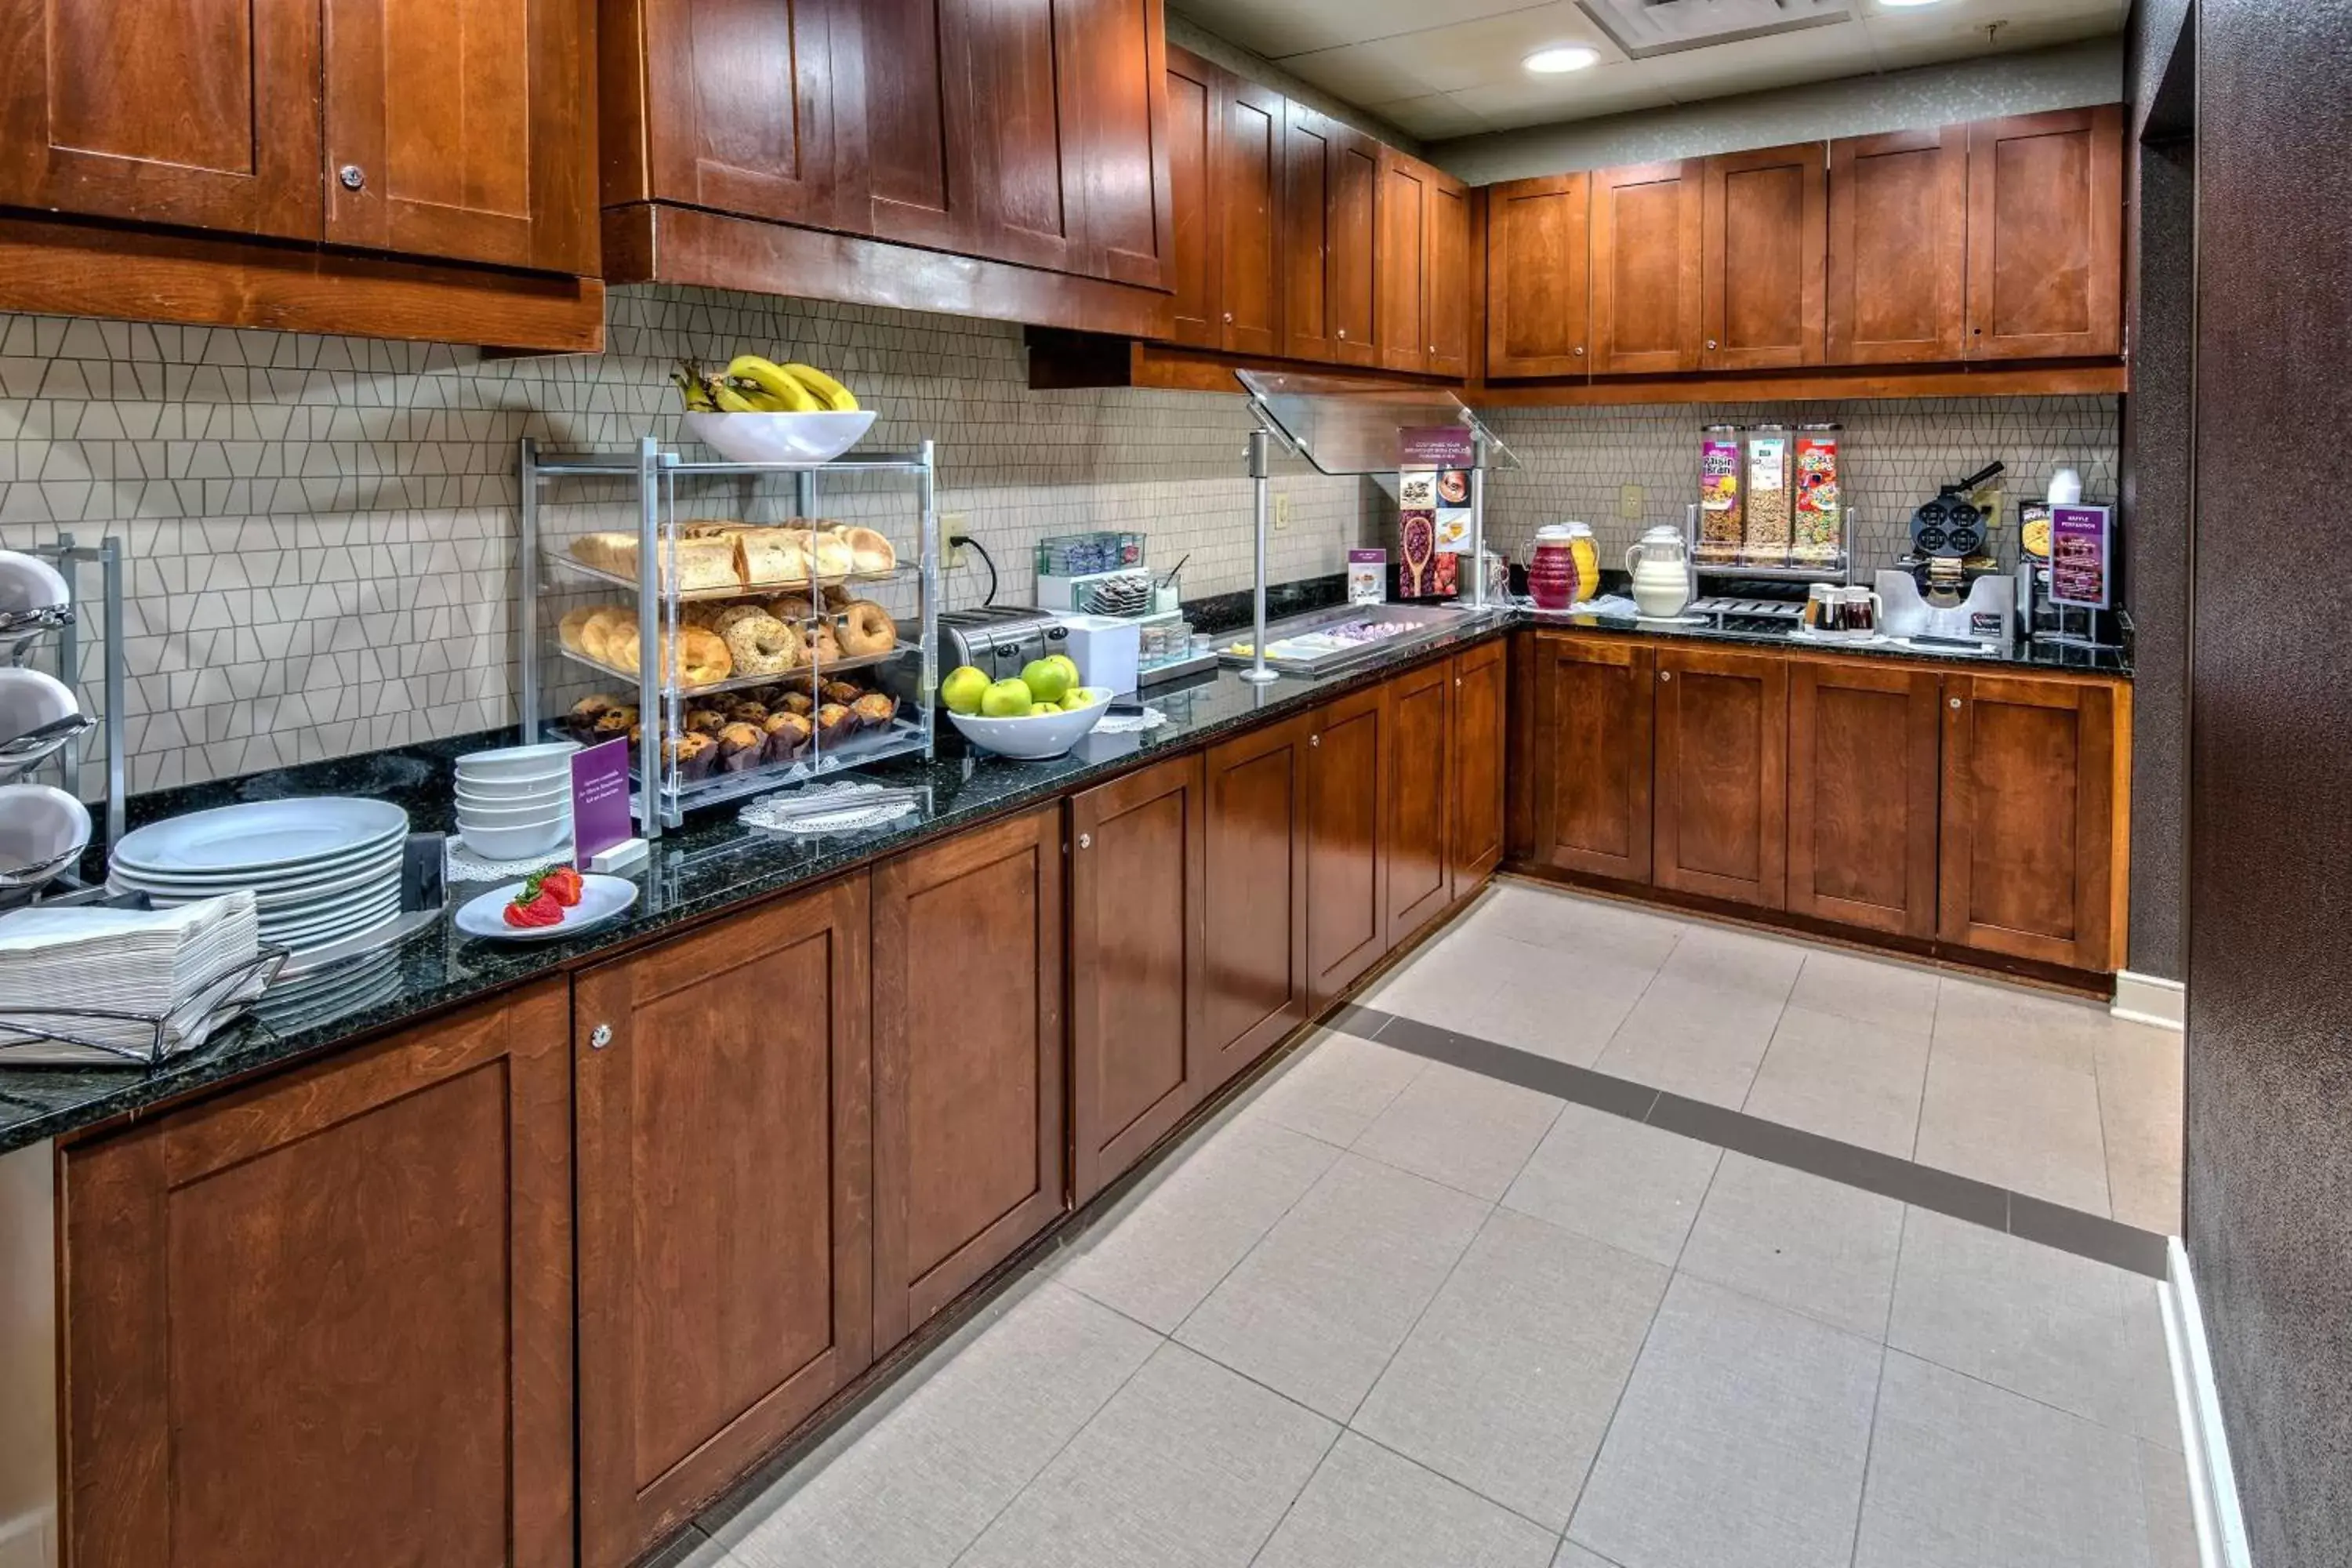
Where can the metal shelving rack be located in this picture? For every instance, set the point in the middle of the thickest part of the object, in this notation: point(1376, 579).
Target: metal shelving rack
point(18, 635)
point(654, 472)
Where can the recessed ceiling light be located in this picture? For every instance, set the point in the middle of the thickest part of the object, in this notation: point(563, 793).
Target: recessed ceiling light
point(1567, 58)
point(1906, 4)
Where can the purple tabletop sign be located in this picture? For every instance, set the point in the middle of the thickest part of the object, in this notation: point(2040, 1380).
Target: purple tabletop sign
point(600, 800)
point(2080, 540)
point(1434, 446)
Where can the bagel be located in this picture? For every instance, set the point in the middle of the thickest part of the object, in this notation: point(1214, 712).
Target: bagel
point(823, 643)
point(869, 552)
point(791, 607)
point(697, 657)
point(568, 630)
point(762, 645)
point(722, 621)
point(830, 555)
point(866, 628)
point(605, 632)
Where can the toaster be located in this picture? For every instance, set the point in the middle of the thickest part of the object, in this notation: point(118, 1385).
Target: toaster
point(997, 640)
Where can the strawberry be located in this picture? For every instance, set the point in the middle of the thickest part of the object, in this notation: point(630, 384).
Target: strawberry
point(562, 882)
point(533, 910)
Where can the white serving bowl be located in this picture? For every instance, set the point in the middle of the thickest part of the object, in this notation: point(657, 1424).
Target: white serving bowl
point(518, 763)
point(42, 830)
point(1038, 736)
point(518, 843)
point(29, 583)
point(499, 795)
point(513, 815)
point(803, 438)
point(30, 698)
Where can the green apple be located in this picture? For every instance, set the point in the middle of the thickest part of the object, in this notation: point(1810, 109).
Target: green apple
point(1005, 699)
point(963, 689)
point(1048, 682)
point(1077, 702)
point(1039, 710)
point(1067, 665)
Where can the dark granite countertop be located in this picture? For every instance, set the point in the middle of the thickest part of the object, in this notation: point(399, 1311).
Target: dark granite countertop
point(2028, 656)
point(710, 864)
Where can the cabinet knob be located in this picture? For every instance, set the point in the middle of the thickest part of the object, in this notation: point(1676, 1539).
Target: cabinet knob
point(1578, 351)
point(1956, 702)
point(1229, 315)
point(351, 175)
point(1086, 841)
point(1665, 675)
point(1343, 331)
point(1433, 348)
point(1710, 342)
point(599, 1037)
point(1314, 739)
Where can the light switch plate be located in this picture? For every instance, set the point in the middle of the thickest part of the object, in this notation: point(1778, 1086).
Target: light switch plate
point(1282, 509)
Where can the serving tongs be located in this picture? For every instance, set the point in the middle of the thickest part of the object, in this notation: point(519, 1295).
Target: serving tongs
point(19, 628)
point(42, 741)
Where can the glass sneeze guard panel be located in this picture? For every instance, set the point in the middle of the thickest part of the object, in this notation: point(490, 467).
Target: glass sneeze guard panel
point(1347, 427)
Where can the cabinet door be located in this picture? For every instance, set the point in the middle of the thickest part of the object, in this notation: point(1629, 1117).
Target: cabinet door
point(740, 106)
point(1722, 785)
point(1474, 746)
point(1864, 743)
point(1591, 766)
point(1195, 253)
point(1012, 110)
point(1113, 56)
point(968, 1089)
point(1402, 283)
point(1416, 784)
point(1346, 861)
point(1447, 275)
point(1308, 156)
point(330, 1315)
point(1256, 979)
point(1249, 192)
point(921, 173)
point(177, 111)
point(1898, 238)
point(1536, 232)
point(460, 128)
point(1646, 232)
point(2045, 234)
point(1765, 216)
point(1138, 1059)
point(726, 1262)
point(2029, 819)
point(1355, 246)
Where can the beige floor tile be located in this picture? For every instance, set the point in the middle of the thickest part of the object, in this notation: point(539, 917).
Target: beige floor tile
point(2140, 1076)
point(1868, 990)
point(1575, 924)
point(1447, 978)
point(1844, 1079)
point(1470, 1131)
point(1566, 1011)
point(2017, 1123)
point(1798, 1241)
point(1984, 1018)
point(1368, 1507)
point(1695, 1037)
point(1337, 1088)
point(1730, 960)
point(1632, 1186)
point(2171, 1519)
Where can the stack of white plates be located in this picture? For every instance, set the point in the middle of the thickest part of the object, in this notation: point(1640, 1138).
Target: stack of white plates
point(516, 801)
point(320, 870)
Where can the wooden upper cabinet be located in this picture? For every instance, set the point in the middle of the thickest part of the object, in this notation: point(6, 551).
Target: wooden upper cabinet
point(1898, 241)
point(1402, 285)
point(1722, 774)
point(1474, 763)
point(1308, 153)
point(1864, 750)
point(1014, 111)
point(1195, 253)
point(1446, 276)
point(1646, 241)
point(1355, 246)
point(459, 128)
point(2035, 811)
point(920, 176)
point(1347, 854)
point(329, 1317)
point(1115, 52)
point(178, 111)
point(1537, 237)
point(726, 1205)
point(1256, 983)
point(1417, 790)
point(1590, 740)
point(1766, 221)
point(970, 1147)
point(1138, 1059)
point(753, 107)
point(1248, 195)
point(2045, 234)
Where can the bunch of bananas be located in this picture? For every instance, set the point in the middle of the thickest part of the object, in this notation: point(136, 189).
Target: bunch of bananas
point(750, 385)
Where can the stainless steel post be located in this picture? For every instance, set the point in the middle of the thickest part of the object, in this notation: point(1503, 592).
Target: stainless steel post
point(118, 724)
point(69, 659)
point(1261, 467)
point(1477, 520)
point(927, 500)
point(653, 670)
point(526, 596)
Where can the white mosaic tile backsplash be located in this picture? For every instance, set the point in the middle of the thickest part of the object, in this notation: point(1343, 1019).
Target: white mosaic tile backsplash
point(320, 530)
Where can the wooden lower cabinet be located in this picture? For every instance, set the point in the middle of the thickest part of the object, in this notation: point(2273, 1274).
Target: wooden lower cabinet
point(1418, 789)
point(329, 1319)
point(1590, 755)
point(1138, 1058)
point(1255, 981)
point(725, 1212)
point(1864, 752)
point(969, 1147)
point(1473, 764)
point(1720, 787)
point(1346, 861)
point(2035, 808)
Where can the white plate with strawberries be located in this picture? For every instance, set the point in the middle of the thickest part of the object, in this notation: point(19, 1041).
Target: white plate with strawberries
point(556, 903)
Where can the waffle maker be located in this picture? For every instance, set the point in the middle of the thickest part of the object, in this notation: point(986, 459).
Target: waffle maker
point(1946, 532)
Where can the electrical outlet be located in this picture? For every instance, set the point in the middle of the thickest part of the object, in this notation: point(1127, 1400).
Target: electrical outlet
point(1628, 502)
point(952, 524)
point(1282, 509)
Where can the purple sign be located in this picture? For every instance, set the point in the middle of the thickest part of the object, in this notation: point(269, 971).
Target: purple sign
point(1434, 446)
point(2080, 540)
point(600, 800)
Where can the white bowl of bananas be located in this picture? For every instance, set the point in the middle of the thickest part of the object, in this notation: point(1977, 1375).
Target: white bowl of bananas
point(757, 411)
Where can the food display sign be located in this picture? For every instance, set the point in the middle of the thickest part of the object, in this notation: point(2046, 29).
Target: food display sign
point(1434, 446)
point(1368, 576)
point(2082, 556)
point(600, 799)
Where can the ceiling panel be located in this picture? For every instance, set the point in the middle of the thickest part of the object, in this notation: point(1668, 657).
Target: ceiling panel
point(1276, 28)
point(1432, 116)
point(1784, 60)
point(1459, 56)
point(1581, 95)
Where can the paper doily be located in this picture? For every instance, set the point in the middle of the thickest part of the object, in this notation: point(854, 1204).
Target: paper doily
point(1130, 723)
point(461, 864)
point(769, 811)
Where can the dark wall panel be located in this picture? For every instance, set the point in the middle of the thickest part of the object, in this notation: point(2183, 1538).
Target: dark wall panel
point(2269, 924)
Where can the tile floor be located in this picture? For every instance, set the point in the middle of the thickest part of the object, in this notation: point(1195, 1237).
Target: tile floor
point(1391, 1313)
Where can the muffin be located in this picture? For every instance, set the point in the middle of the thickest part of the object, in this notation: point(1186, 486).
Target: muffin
point(742, 746)
point(581, 723)
point(611, 725)
point(788, 736)
point(841, 692)
point(692, 754)
point(744, 710)
point(875, 709)
point(704, 721)
point(799, 703)
point(835, 723)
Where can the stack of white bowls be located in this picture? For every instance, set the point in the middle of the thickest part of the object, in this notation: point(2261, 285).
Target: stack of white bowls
point(321, 869)
point(516, 803)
